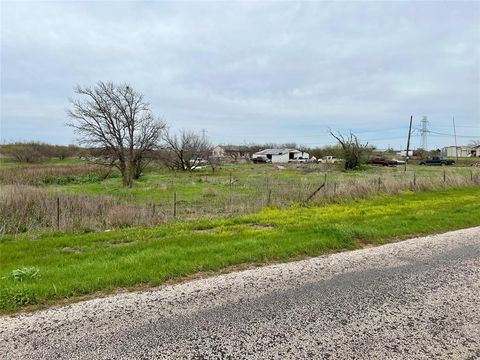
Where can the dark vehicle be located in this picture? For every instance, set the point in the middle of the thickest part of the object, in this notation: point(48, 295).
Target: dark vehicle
point(436, 160)
point(261, 159)
point(382, 162)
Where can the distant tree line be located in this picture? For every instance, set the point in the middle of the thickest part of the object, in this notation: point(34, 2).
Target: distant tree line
point(35, 152)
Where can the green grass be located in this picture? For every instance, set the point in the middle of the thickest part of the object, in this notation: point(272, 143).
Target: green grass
point(72, 265)
point(6, 163)
point(158, 185)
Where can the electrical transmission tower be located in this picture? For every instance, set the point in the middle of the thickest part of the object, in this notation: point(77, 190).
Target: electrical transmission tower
point(424, 132)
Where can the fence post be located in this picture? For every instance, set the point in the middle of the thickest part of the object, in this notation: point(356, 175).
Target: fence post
point(334, 188)
point(379, 183)
point(58, 213)
point(153, 210)
point(175, 204)
point(414, 178)
point(269, 197)
point(471, 175)
point(444, 176)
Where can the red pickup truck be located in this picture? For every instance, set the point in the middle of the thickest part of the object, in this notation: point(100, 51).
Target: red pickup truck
point(382, 161)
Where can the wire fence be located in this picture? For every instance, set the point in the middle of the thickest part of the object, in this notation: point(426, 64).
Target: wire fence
point(25, 208)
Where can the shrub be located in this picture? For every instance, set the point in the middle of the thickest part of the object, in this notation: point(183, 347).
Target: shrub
point(210, 192)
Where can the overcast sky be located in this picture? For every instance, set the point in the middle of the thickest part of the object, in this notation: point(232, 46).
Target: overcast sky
point(249, 71)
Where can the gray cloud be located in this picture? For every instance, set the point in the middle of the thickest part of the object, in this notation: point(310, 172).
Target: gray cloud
point(248, 71)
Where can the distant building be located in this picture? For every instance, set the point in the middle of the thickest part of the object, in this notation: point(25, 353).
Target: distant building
point(218, 152)
point(231, 153)
point(281, 155)
point(404, 153)
point(461, 151)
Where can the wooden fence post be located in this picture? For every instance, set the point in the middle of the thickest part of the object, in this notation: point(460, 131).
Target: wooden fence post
point(471, 175)
point(379, 184)
point(269, 197)
point(444, 176)
point(414, 178)
point(58, 213)
point(175, 204)
point(334, 188)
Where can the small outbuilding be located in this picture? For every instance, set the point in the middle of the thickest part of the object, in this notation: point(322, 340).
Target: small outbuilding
point(461, 151)
point(281, 155)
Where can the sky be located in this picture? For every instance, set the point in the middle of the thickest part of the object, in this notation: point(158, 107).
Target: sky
point(250, 71)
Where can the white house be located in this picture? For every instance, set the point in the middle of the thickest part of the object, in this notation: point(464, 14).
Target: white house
point(404, 153)
point(461, 151)
point(281, 155)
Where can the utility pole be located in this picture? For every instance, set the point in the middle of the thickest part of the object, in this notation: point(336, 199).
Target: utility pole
point(408, 141)
point(203, 134)
point(455, 134)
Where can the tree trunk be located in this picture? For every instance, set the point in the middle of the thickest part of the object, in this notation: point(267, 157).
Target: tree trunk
point(128, 177)
point(126, 172)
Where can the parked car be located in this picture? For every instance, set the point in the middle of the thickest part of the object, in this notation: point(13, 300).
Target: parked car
point(436, 161)
point(299, 160)
point(329, 159)
point(399, 162)
point(198, 161)
point(382, 162)
point(261, 159)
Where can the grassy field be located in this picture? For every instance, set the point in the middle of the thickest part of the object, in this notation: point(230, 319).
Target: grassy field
point(40, 269)
point(76, 196)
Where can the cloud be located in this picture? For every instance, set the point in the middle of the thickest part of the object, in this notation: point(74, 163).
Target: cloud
point(247, 70)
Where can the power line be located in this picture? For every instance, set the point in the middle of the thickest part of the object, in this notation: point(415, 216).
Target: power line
point(444, 134)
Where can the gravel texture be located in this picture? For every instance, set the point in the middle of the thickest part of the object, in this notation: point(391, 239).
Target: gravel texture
point(415, 299)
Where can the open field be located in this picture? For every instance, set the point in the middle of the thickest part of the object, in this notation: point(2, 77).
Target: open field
point(59, 266)
point(81, 197)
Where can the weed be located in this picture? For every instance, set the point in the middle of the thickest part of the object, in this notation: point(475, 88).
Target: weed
point(210, 192)
point(25, 273)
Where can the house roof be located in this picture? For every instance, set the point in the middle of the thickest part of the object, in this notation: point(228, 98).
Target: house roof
point(276, 151)
point(461, 147)
point(231, 147)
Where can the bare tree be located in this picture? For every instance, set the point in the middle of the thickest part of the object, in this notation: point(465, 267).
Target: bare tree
point(186, 150)
point(352, 150)
point(116, 119)
point(27, 152)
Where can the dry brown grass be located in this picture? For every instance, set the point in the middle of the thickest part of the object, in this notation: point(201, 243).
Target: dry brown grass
point(48, 174)
point(210, 192)
point(25, 208)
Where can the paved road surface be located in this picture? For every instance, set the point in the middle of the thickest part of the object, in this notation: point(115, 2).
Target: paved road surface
point(417, 299)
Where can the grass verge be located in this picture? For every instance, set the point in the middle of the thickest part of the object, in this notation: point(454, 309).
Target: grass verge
point(73, 265)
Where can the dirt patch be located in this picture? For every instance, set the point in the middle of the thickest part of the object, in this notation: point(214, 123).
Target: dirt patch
point(203, 231)
point(363, 244)
point(120, 243)
point(161, 186)
point(116, 243)
point(72, 250)
point(261, 226)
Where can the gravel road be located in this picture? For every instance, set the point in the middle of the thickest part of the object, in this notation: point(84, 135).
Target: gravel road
point(416, 299)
